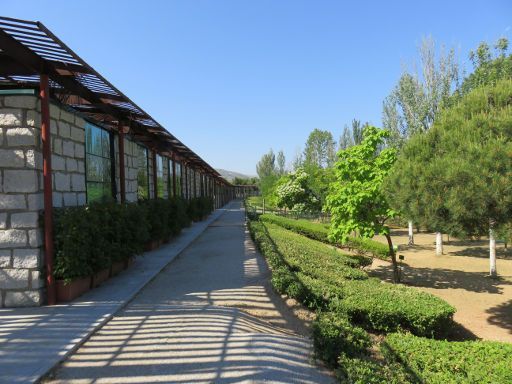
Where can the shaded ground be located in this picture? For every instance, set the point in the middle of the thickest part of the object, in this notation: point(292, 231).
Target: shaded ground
point(209, 317)
point(460, 276)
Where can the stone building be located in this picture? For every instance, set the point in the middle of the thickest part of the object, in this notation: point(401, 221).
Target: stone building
point(68, 137)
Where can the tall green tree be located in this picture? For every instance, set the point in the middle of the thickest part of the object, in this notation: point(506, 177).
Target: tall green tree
point(417, 98)
point(320, 150)
point(281, 163)
point(267, 172)
point(456, 177)
point(356, 201)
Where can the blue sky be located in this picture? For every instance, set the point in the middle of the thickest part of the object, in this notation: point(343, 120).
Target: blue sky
point(234, 78)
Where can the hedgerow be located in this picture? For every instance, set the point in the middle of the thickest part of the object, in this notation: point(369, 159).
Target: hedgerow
point(444, 362)
point(320, 232)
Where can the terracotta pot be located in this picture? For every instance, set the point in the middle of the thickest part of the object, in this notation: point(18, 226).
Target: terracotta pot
point(129, 261)
point(99, 277)
point(73, 289)
point(117, 266)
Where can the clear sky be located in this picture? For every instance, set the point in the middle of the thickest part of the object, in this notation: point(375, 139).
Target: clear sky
point(234, 78)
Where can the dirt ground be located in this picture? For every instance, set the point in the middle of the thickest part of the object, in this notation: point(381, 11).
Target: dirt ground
point(459, 276)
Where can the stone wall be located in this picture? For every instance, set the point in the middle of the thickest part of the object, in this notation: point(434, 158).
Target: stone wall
point(21, 190)
point(130, 168)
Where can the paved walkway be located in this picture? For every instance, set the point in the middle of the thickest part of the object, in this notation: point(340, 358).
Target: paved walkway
point(208, 317)
point(34, 340)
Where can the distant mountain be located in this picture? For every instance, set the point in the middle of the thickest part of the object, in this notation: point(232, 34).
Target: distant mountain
point(230, 175)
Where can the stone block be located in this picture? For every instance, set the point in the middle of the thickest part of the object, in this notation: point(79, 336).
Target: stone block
point(54, 111)
point(13, 278)
point(71, 165)
point(13, 238)
point(54, 129)
point(62, 182)
point(12, 158)
point(35, 237)
point(81, 166)
point(23, 299)
point(67, 116)
point(36, 280)
point(20, 181)
point(57, 146)
point(79, 151)
point(8, 202)
point(58, 163)
point(70, 199)
point(34, 159)
point(11, 117)
point(18, 137)
point(3, 220)
point(78, 134)
point(34, 119)
point(78, 182)
point(25, 258)
point(68, 148)
point(27, 102)
point(5, 258)
point(81, 199)
point(24, 220)
point(57, 199)
point(64, 129)
point(35, 201)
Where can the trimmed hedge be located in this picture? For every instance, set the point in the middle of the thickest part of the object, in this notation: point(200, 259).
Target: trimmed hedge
point(444, 362)
point(320, 282)
point(90, 238)
point(320, 232)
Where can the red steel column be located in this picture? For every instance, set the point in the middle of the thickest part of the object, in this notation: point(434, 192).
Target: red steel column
point(155, 179)
point(122, 180)
point(47, 181)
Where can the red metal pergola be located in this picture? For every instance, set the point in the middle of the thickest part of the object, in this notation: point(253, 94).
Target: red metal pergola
point(32, 57)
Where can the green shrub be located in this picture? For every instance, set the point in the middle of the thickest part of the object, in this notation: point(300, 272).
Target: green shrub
point(89, 238)
point(443, 362)
point(199, 207)
point(320, 232)
point(363, 370)
point(333, 334)
point(388, 307)
point(321, 277)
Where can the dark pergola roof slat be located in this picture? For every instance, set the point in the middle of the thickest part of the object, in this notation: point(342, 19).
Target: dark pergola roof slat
point(28, 48)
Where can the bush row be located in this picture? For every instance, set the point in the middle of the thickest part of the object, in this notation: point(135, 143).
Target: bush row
point(320, 232)
point(444, 362)
point(321, 278)
point(90, 238)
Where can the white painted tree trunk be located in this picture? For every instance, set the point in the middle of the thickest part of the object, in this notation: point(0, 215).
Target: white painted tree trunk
point(439, 243)
point(411, 233)
point(492, 252)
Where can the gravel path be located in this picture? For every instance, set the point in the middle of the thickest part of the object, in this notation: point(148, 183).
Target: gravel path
point(208, 317)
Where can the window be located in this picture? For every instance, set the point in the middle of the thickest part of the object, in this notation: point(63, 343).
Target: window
point(98, 163)
point(160, 181)
point(142, 173)
point(178, 180)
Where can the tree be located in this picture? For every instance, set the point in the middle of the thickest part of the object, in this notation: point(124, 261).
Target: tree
point(352, 136)
point(456, 177)
point(281, 163)
point(417, 98)
point(320, 149)
point(267, 172)
point(294, 193)
point(356, 201)
point(346, 140)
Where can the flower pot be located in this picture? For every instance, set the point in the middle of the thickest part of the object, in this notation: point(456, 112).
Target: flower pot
point(117, 266)
point(99, 277)
point(74, 288)
point(128, 262)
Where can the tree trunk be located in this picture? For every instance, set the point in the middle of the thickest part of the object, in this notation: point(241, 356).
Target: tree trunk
point(439, 243)
point(492, 251)
point(411, 234)
point(396, 273)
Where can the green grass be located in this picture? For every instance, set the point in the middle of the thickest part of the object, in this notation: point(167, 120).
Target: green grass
point(444, 362)
point(320, 232)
